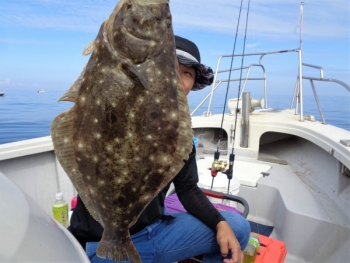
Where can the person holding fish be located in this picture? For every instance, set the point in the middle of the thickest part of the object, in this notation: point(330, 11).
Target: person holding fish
point(162, 237)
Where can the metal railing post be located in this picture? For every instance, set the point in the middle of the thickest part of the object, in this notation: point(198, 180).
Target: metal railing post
point(245, 119)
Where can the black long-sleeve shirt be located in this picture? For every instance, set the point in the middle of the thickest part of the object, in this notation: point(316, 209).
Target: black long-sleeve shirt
point(86, 229)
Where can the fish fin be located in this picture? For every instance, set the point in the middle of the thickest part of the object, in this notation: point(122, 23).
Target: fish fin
point(89, 48)
point(73, 92)
point(136, 76)
point(62, 138)
point(118, 252)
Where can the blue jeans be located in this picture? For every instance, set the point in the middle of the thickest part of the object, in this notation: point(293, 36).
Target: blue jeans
point(180, 239)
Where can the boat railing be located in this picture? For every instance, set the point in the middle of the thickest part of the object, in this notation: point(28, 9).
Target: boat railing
point(219, 72)
point(296, 95)
point(298, 90)
point(217, 83)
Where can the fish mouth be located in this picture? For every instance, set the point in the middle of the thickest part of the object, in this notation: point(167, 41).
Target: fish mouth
point(133, 34)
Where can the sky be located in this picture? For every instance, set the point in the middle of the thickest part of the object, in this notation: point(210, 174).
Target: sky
point(41, 40)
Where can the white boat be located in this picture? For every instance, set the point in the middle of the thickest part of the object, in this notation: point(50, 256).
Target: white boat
point(294, 171)
point(2, 93)
point(41, 91)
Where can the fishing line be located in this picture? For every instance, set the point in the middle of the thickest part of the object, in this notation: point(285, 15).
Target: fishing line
point(229, 76)
point(240, 77)
point(229, 172)
point(217, 163)
point(216, 166)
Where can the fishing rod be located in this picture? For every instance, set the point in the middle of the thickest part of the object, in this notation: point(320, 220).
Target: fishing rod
point(220, 166)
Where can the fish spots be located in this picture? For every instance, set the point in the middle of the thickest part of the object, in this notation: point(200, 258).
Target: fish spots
point(109, 147)
point(95, 120)
point(146, 197)
point(149, 137)
point(101, 182)
point(80, 145)
point(98, 102)
point(95, 159)
point(118, 180)
point(97, 135)
point(82, 99)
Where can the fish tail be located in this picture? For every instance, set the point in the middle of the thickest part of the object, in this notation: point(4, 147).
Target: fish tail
point(118, 252)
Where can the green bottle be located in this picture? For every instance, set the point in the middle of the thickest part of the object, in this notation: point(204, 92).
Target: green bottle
point(251, 249)
point(60, 210)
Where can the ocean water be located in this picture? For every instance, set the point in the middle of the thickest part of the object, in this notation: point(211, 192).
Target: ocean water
point(27, 114)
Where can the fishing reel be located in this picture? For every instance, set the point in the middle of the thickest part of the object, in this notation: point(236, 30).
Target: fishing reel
point(218, 166)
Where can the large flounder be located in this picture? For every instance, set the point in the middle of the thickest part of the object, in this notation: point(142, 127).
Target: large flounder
point(129, 131)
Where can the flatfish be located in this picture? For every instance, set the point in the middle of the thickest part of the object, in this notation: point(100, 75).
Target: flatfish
point(129, 131)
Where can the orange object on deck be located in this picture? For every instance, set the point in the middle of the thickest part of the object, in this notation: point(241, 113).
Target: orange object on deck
point(270, 250)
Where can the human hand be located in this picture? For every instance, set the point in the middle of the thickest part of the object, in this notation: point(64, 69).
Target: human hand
point(228, 242)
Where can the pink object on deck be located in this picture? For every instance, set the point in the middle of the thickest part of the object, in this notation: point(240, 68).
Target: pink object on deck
point(73, 202)
point(174, 205)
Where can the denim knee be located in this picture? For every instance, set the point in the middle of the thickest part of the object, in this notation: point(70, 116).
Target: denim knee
point(240, 227)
